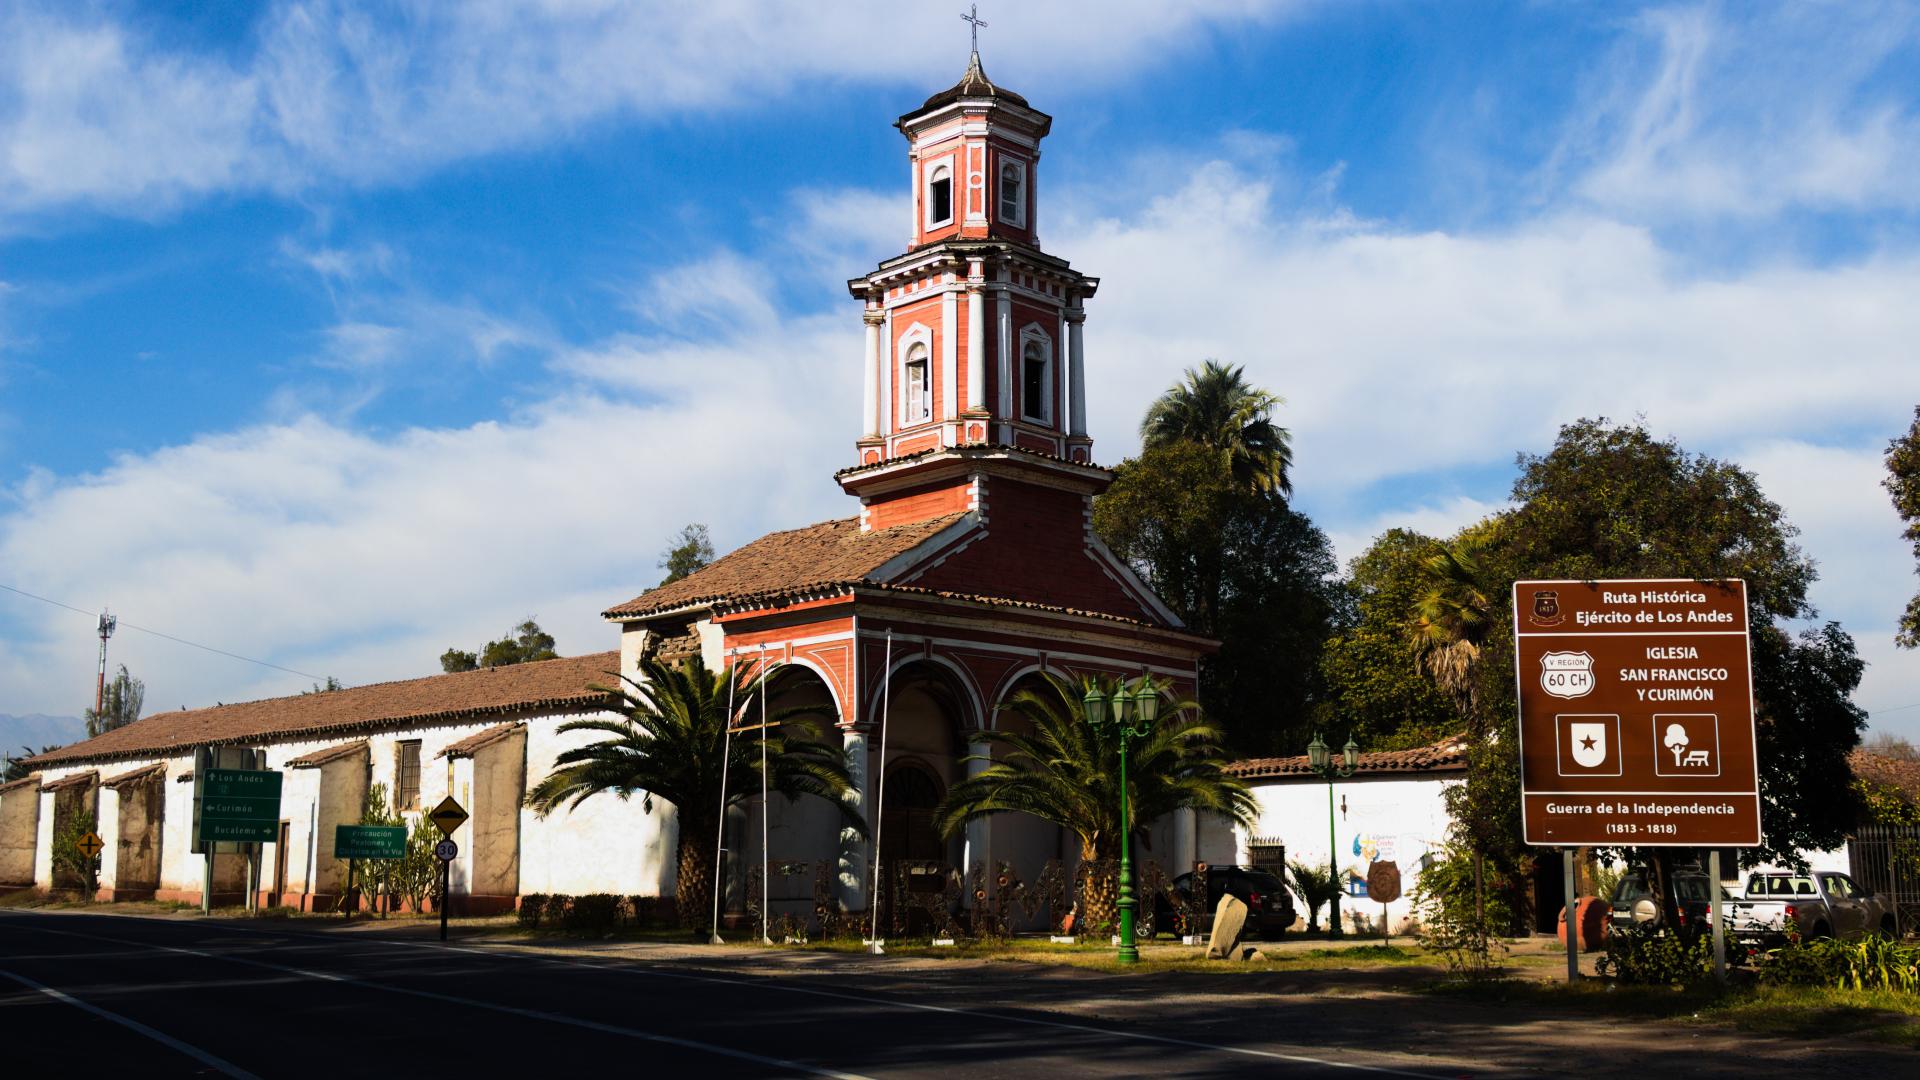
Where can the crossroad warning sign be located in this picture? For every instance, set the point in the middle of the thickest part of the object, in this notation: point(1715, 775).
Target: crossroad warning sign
point(91, 845)
point(448, 816)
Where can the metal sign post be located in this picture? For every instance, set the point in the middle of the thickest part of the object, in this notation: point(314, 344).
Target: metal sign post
point(1713, 912)
point(1636, 718)
point(445, 851)
point(1572, 879)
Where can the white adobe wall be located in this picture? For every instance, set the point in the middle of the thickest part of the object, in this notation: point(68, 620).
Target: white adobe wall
point(1396, 818)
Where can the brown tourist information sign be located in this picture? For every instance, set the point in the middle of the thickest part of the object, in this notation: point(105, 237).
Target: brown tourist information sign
point(1636, 713)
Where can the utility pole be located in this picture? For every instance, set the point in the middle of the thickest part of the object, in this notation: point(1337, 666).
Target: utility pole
point(107, 623)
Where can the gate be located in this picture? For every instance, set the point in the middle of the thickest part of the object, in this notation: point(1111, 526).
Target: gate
point(1886, 859)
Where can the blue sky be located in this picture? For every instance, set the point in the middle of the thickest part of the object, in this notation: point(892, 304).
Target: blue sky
point(337, 334)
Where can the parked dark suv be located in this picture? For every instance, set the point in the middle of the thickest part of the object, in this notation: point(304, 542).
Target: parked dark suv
point(1635, 905)
point(1269, 905)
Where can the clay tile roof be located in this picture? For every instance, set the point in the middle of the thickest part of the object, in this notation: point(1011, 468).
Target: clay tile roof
point(137, 775)
point(1447, 755)
point(973, 84)
point(828, 555)
point(465, 747)
point(1900, 774)
point(81, 779)
point(328, 753)
point(25, 781)
point(552, 685)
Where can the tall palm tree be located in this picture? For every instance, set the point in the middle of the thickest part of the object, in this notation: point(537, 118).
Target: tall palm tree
point(1215, 407)
point(668, 746)
point(1454, 612)
point(1068, 771)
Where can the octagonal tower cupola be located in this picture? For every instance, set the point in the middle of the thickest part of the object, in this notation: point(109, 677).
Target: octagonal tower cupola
point(974, 149)
point(974, 337)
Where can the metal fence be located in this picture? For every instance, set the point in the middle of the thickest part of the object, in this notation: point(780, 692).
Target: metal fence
point(1886, 859)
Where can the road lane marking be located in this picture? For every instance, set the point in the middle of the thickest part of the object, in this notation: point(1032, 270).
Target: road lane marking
point(637, 967)
point(161, 1037)
point(535, 1014)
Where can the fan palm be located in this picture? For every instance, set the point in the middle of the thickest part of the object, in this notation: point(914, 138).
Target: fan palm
point(1453, 614)
point(1316, 886)
point(1067, 772)
point(1215, 407)
point(669, 745)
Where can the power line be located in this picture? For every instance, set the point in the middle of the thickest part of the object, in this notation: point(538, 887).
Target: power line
point(178, 640)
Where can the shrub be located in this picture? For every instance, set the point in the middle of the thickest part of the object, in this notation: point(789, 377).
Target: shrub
point(1870, 963)
point(596, 913)
point(1641, 955)
point(1453, 922)
point(532, 906)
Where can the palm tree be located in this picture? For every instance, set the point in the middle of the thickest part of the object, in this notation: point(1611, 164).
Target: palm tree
point(1215, 407)
point(1067, 772)
point(668, 746)
point(1453, 614)
point(1316, 886)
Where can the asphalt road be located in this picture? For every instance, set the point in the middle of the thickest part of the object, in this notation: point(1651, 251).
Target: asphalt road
point(179, 997)
point(96, 994)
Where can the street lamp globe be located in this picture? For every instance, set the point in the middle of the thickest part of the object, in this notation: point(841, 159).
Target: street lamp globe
point(1317, 753)
point(1096, 706)
point(1146, 702)
point(1350, 755)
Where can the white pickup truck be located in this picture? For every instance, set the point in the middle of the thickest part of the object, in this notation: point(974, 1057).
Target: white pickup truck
point(1821, 904)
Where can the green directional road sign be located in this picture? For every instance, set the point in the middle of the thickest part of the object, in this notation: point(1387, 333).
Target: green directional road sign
point(369, 841)
point(236, 805)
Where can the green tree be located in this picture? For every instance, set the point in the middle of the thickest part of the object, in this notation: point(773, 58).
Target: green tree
point(1237, 565)
point(690, 550)
point(1215, 407)
point(1903, 484)
point(1611, 501)
point(1372, 691)
point(1067, 772)
point(120, 704)
point(335, 684)
point(73, 868)
point(669, 746)
point(522, 644)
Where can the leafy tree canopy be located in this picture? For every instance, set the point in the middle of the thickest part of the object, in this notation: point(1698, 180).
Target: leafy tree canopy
point(523, 643)
point(1903, 483)
point(1374, 690)
point(690, 550)
point(1236, 564)
point(120, 704)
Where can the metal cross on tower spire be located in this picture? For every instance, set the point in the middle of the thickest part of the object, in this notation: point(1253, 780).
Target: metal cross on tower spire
point(973, 16)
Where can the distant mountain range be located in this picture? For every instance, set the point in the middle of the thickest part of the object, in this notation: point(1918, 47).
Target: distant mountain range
point(36, 730)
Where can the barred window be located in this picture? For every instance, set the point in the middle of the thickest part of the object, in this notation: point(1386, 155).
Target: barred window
point(406, 776)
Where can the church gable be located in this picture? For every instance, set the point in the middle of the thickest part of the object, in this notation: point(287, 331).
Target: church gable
point(1038, 547)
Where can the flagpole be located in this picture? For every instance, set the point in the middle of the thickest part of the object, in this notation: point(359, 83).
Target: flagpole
point(874, 944)
point(766, 888)
point(720, 840)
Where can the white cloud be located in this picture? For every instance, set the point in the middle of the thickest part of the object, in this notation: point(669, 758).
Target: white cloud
point(338, 552)
point(1693, 113)
point(1440, 518)
point(96, 111)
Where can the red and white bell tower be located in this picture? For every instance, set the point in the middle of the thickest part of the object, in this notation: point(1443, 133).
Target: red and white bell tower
point(973, 336)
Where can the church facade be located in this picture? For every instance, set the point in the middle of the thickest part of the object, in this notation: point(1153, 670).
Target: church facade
point(966, 569)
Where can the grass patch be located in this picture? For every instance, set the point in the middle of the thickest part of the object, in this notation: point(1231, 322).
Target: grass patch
point(1797, 1012)
point(1098, 955)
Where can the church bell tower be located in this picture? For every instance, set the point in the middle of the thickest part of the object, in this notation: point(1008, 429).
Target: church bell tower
point(973, 335)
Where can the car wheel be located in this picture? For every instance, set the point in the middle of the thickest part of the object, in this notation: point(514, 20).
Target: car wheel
point(1887, 927)
point(1821, 930)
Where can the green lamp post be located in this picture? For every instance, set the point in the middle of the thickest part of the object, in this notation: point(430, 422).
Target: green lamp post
point(1321, 760)
point(1145, 700)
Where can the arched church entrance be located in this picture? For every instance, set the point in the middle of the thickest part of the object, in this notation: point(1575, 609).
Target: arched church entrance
point(906, 827)
point(801, 834)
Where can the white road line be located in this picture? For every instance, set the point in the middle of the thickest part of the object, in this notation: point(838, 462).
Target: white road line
point(348, 980)
point(771, 983)
point(160, 1037)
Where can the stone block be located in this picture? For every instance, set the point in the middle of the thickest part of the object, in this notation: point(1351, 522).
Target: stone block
point(1229, 925)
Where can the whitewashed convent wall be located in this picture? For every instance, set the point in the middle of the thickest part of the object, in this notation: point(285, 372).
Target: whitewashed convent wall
point(606, 845)
point(1387, 817)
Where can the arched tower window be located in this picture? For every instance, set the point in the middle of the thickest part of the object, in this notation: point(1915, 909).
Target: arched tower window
point(1013, 198)
point(939, 196)
point(1035, 385)
point(919, 403)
